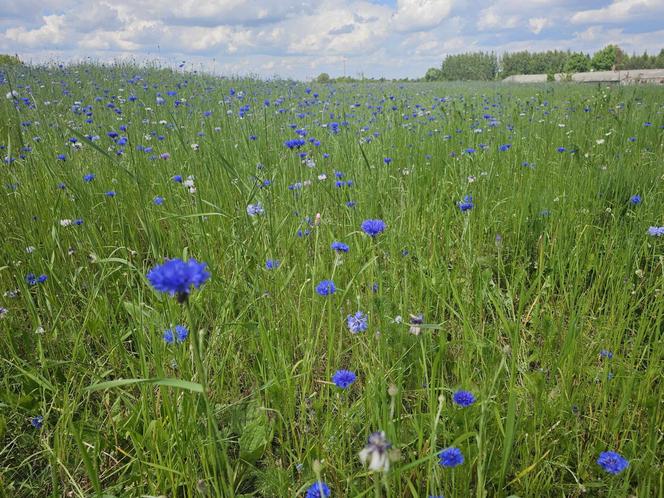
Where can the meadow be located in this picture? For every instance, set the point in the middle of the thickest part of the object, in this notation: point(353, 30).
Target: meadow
point(235, 287)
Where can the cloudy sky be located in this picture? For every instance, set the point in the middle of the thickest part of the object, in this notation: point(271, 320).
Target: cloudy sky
point(300, 39)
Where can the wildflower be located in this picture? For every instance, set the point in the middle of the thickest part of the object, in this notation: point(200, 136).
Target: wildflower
point(343, 378)
point(255, 209)
point(635, 199)
point(463, 398)
point(375, 452)
point(178, 334)
point(31, 279)
point(387, 160)
point(37, 421)
point(656, 231)
point(357, 323)
point(158, 200)
point(3, 311)
point(326, 288)
point(42, 278)
point(606, 354)
point(177, 178)
point(415, 322)
point(110, 193)
point(339, 247)
point(89, 177)
point(318, 490)
point(373, 227)
point(451, 457)
point(466, 204)
point(272, 264)
point(612, 462)
point(177, 277)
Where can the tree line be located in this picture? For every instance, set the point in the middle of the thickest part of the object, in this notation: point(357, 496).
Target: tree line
point(487, 66)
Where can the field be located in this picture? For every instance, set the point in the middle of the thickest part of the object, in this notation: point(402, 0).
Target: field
point(511, 306)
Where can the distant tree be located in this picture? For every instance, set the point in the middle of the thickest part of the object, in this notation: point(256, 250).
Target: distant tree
point(433, 74)
point(9, 60)
point(577, 63)
point(323, 78)
point(607, 58)
point(659, 60)
point(480, 66)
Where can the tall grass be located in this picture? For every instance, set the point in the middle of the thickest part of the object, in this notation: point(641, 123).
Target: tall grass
point(519, 295)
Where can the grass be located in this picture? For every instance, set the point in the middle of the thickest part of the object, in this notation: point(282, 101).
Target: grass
point(519, 295)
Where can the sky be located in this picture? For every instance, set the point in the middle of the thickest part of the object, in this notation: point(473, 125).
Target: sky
point(301, 39)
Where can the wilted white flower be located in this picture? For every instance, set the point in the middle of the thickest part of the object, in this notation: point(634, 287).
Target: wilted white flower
point(471, 179)
point(194, 146)
point(30, 249)
point(375, 453)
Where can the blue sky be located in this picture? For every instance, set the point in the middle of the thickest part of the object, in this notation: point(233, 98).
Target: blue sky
point(300, 39)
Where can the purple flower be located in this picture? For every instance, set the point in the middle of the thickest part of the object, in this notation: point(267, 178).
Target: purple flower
point(326, 288)
point(451, 457)
point(343, 378)
point(178, 334)
point(339, 247)
point(177, 277)
point(358, 322)
point(656, 231)
point(612, 462)
point(463, 398)
point(373, 227)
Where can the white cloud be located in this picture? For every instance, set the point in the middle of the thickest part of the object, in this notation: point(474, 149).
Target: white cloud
point(50, 33)
point(418, 15)
point(537, 24)
point(491, 18)
point(619, 11)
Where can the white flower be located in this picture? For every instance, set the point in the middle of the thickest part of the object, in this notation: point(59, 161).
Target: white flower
point(194, 146)
point(375, 453)
point(12, 95)
point(30, 249)
point(471, 179)
point(600, 141)
point(65, 223)
point(322, 177)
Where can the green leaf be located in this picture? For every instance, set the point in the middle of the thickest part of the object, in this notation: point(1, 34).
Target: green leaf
point(178, 383)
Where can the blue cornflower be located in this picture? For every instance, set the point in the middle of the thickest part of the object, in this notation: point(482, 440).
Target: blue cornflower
point(343, 378)
point(387, 160)
point(272, 264)
point(62, 157)
point(463, 398)
point(604, 353)
point(178, 334)
point(326, 288)
point(612, 462)
point(339, 247)
point(451, 457)
point(466, 204)
point(31, 279)
point(561, 149)
point(110, 193)
point(177, 277)
point(37, 421)
point(255, 209)
point(78, 221)
point(89, 177)
point(158, 200)
point(656, 231)
point(318, 490)
point(505, 147)
point(358, 322)
point(177, 178)
point(373, 227)
point(42, 278)
point(635, 199)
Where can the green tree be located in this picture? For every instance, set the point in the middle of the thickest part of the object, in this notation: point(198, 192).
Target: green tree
point(433, 74)
point(577, 63)
point(607, 58)
point(323, 78)
point(9, 60)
